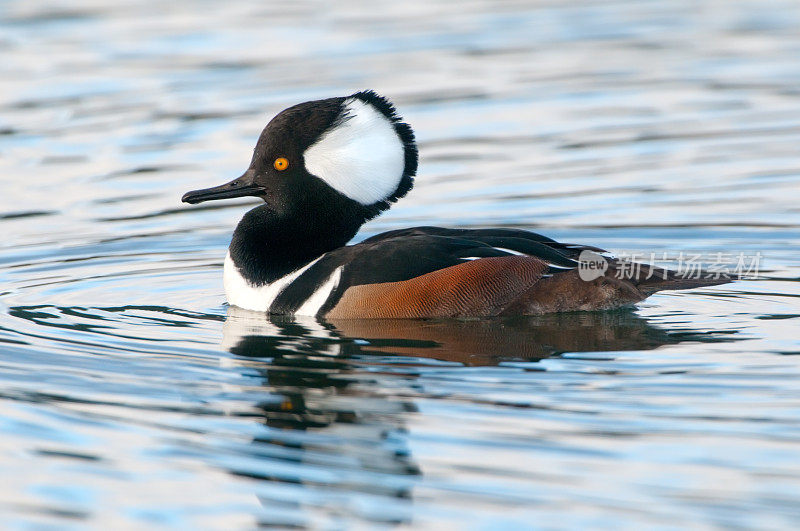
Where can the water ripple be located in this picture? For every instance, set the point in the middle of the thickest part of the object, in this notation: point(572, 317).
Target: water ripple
point(133, 397)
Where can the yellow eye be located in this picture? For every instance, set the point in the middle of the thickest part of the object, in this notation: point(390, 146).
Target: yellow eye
point(281, 164)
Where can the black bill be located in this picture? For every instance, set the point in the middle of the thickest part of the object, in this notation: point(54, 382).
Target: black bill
point(240, 187)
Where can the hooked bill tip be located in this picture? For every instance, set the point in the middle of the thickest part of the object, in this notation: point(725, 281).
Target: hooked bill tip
point(191, 198)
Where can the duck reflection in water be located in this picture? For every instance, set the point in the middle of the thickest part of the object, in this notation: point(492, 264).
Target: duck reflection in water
point(479, 342)
point(341, 411)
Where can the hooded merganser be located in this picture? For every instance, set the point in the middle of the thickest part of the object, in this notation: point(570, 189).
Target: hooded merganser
point(324, 168)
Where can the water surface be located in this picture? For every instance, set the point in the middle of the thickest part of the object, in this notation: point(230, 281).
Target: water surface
point(133, 397)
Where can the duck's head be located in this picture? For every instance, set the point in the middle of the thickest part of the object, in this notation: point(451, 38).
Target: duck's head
point(349, 154)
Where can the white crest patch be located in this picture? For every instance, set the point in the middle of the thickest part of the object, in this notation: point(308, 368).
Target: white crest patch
point(241, 293)
point(362, 158)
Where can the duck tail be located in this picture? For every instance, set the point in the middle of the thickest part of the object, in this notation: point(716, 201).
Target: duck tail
point(650, 279)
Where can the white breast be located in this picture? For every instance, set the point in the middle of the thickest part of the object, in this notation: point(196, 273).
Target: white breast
point(243, 294)
point(257, 298)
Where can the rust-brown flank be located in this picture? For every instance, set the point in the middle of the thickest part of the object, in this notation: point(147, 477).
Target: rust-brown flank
point(508, 285)
point(478, 288)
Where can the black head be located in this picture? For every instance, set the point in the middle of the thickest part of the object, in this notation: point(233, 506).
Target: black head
point(350, 154)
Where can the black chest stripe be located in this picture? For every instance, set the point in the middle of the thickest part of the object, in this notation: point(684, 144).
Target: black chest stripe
point(303, 287)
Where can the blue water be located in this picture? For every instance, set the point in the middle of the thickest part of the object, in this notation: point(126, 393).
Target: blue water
point(131, 396)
